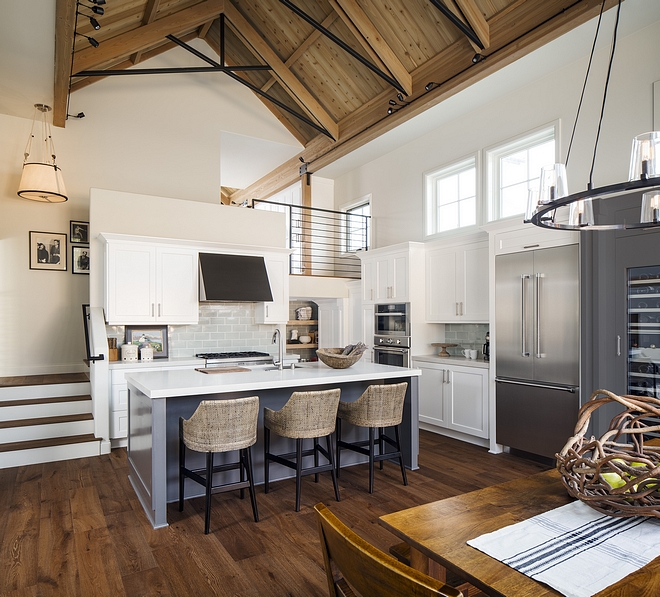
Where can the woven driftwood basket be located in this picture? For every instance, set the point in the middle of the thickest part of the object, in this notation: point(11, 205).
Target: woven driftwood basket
point(332, 357)
point(618, 474)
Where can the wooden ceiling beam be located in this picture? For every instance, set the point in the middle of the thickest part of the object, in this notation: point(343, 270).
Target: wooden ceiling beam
point(149, 15)
point(86, 81)
point(364, 29)
point(289, 81)
point(147, 36)
point(65, 22)
point(547, 21)
point(476, 20)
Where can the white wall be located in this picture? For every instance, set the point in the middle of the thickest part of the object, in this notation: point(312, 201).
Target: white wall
point(395, 180)
point(156, 135)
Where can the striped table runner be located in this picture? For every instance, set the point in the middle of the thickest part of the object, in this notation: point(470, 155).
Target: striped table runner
point(575, 549)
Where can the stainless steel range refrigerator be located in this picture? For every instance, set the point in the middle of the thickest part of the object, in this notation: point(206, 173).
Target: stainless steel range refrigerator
point(537, 306)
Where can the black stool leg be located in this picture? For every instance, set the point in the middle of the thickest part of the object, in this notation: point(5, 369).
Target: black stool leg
point(333, 471)
point(209, 484)
point(371, 459)
point(182, 464)
point(316, 458)
point(298, 471)
point(253, 496)
point(266, 461)
point(381, 444)
point(241, 468)
point(398, 447)
point(338, 446)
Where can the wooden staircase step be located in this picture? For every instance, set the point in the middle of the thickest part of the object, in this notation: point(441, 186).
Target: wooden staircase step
point(46, 420)
point(49, 443)
point(37, 401)
point(40, 380)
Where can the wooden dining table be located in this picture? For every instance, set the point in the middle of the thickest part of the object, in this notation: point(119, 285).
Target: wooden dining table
point(437, 534)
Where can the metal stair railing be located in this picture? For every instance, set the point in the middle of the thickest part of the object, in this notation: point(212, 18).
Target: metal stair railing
point(324, 242)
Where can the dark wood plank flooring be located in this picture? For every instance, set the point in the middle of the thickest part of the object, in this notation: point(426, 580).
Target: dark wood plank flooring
point(76, 528)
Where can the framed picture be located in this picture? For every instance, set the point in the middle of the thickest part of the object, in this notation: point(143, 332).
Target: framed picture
point(79, 232)
point(79, 260)
point(48, 251)
point(155, 335)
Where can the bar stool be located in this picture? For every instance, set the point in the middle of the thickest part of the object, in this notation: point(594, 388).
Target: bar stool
point(220, 426)
point(305, 415)
point(377, 408)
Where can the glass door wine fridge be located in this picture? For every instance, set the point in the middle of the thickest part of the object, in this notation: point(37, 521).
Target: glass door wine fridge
point(644, 331)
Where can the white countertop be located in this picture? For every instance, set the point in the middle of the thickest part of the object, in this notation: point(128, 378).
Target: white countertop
point(188, 382)
point(170, 362)
point(460, 361)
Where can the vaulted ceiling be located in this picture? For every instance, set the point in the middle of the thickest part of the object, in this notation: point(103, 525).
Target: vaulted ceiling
point(336, 73)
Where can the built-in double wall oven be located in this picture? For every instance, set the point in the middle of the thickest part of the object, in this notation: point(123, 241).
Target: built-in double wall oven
point(392, 334)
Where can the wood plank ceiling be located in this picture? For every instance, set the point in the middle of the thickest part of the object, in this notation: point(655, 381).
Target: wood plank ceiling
point(330, 69)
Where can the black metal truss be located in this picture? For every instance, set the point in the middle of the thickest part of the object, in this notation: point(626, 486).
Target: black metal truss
point(464, 28)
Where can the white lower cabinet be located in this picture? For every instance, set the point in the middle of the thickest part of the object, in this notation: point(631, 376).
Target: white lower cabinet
point(454, 397)
point(119, 397)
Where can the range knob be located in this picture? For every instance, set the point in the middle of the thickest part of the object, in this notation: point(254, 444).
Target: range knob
point(398, 341)
point(389, 340)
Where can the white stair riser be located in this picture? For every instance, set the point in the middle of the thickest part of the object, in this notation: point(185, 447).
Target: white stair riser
point(31, 432)
point(53, 409)
point(49, 454)
point(45, 391)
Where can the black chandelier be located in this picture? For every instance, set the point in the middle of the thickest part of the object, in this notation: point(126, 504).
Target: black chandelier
point(644, 175)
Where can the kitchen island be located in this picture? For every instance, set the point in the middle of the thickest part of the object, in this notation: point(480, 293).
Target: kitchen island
point(158, 399)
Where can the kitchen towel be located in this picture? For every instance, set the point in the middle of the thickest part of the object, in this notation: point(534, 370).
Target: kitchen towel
point(575, 549)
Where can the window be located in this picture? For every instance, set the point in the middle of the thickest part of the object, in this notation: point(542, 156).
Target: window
point(451, 199)
point(514, 169)
point(357, 227)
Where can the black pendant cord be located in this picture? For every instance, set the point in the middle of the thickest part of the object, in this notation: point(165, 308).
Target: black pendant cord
point(584, 87)
point(607, 82)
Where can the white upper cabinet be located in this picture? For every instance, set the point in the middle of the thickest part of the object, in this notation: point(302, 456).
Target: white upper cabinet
point(150, 284)
point(386, 277)
point(276, 311)
point(457, 283)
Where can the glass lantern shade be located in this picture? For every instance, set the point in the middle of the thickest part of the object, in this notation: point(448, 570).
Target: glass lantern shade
point(581, 213)
point(553, 183)
point(645, 156)
point(651, 207)
point(532, 203)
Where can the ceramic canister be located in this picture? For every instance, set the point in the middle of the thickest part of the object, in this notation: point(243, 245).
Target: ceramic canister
point(147, 353)
point(129, 352)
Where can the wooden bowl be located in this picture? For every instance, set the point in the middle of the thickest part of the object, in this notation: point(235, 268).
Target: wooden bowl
point(332, 357)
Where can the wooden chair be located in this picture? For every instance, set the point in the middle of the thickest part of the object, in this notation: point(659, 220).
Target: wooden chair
point(378, 407)
point(220, 426)
point(305, 415)
point(354, 567)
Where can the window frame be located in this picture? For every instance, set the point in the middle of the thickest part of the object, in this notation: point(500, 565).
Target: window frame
point(494, 154)
point(346, 208)
point(430, 179)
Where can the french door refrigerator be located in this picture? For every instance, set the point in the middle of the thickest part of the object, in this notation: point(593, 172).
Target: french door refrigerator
point(537, 306)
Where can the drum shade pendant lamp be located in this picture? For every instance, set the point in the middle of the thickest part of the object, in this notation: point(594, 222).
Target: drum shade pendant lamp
point(41, 179)
point(644, 175)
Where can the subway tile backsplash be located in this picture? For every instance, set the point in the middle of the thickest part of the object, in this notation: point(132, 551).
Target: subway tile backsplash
point(222, 327)
point(466, 335)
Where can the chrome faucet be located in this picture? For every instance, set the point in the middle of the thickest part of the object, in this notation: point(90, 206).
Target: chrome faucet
point(277, 337)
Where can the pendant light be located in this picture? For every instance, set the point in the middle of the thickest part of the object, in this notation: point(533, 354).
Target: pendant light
point(41, 179)
point(644, 175)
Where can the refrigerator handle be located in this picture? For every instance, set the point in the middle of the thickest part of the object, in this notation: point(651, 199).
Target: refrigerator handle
point(523, 314)
point(539, 354)
point(618, 346)
point(546, 386)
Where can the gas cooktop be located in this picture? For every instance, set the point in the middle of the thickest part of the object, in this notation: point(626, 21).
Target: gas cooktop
point(218, 359)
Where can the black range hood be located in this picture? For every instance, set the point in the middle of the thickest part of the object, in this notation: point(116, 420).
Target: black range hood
point(233, 278)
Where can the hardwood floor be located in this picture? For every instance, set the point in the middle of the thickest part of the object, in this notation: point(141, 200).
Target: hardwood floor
point(76, 529)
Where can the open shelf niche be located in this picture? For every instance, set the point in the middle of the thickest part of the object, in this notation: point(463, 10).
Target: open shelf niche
point(304, 327)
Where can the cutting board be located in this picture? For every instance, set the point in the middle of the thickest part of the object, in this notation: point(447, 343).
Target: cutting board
point(220, 369)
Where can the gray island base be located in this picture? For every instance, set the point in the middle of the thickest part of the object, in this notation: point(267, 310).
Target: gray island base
point(158, 399)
